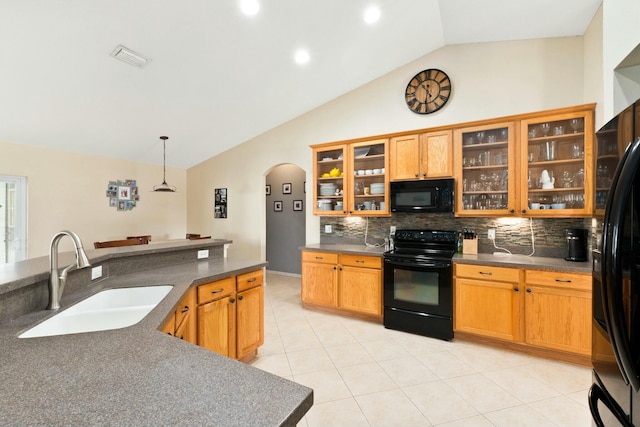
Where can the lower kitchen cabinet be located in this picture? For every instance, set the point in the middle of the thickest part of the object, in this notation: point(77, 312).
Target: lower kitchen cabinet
point(488, 301)
point(182, 322)
point(229, 318)
point(343, 283)
point(545, 311)
point(231, 315)
point(558, 311)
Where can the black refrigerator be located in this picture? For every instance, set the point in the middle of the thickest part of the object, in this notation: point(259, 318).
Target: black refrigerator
point(614, 397)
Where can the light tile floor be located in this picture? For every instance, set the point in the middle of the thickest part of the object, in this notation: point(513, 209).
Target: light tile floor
point(365, 375)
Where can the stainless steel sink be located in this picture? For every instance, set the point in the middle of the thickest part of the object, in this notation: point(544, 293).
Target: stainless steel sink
point(106, 310)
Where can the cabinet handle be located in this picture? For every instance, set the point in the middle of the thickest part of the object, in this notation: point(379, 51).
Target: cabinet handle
point(563, 281)
point(185, 309)
point(517, 289)
point(360, 261)
point(251, 280)
point(523, 211)
point(528, 290)
point(417, 175)
point(512, 211)
point(335, 268)
point(240, 298)
point(233, 300)
point(319, 257)
point(217, 291)
point(424, 174)
point(486, 273)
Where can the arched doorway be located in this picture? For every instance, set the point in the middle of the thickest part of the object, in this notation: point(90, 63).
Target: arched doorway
point(285, 218)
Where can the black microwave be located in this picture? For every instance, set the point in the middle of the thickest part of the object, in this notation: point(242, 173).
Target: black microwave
point(427, 195)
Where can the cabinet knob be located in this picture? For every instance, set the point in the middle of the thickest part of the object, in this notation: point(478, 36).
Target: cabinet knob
point(523, 211)
point(512, 211)
point(417, 175)
point(424, 175)
point(528, 290)
point(517, 289)
point(233, 300)
point(185, 309)
point(240, 298)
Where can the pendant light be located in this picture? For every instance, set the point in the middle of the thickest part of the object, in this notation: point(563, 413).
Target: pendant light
point(164, 187)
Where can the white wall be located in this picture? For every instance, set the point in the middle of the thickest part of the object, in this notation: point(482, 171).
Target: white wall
point(68, 191)
point(489, 80)
point(593, 67)
point(621, 34)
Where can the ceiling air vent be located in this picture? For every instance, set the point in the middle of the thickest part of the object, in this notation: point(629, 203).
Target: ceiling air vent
point(130, 57)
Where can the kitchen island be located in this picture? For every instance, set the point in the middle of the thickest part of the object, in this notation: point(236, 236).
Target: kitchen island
point(135, 375)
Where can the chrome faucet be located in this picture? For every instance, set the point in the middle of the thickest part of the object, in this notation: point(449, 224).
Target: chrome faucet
point(58, 280)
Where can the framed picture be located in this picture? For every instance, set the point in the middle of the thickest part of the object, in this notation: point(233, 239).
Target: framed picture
point(267, 189)
point(286, 188)
point(277, 206)
point(124, 192)
point(220, 203)
point(297, 205)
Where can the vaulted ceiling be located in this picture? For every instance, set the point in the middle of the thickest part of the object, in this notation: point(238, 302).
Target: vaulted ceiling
point(218, 77)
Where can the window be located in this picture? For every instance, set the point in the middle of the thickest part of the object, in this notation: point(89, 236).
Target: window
point(13, 218)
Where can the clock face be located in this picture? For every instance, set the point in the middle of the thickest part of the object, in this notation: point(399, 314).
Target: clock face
point(428, 91)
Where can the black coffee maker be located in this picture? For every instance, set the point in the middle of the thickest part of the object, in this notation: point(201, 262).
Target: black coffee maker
point(576, 244)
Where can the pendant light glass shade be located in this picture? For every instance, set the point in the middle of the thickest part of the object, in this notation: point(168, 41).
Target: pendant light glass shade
point(164, 187)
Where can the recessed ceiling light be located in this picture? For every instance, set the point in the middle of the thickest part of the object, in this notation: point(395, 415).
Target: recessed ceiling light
point(371, 14)
point(249, 7)
point(302, 56)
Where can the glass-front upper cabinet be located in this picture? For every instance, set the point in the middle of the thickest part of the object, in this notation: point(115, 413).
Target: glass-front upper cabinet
point(485, 170)
point(557, 151)
point(611, 141)
point(351, 178)
point(330, 180)
point(369, 178)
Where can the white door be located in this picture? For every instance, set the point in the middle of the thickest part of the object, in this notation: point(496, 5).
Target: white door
point(13, 218)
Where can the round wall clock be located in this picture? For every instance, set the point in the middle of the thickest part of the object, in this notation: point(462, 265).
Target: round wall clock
point(428, 91)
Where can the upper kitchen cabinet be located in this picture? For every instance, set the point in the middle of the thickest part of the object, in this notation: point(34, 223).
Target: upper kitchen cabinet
point(557, 156)
point(329, 179)
point(351, 179)
point(611, 141)
point(421, 156)
point(485, 170)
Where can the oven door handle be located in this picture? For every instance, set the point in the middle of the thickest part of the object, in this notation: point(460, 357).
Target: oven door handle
point(437, 264)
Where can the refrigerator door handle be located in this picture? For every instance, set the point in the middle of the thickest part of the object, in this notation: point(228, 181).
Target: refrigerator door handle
point(612, 262)
point(596, 394)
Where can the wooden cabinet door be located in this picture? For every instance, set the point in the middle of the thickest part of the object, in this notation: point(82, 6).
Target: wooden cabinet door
point(170, 326)
point(216, 326)
point(185, 318)
point(436, 150)
point(361, 290)
point(558, 318)
point(404, 157)
point(319, 284)
point(488, 308)
point(249, 321)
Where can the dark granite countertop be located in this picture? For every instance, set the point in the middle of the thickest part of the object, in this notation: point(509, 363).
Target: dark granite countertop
point(523, 261)
point(138, 375)
point(516, 261)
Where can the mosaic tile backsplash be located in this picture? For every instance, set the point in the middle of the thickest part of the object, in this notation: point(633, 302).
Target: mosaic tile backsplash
point(513, 234)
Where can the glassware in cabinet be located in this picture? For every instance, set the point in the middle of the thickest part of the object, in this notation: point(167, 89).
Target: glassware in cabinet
point(329, 172)
point(558, 173)
point(369, 178)
point(485, 184)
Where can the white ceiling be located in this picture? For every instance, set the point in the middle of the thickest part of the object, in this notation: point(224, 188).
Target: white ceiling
point(217, 77)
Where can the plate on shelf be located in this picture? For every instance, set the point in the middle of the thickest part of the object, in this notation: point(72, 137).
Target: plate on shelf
point(327, 159)
point(361, 151)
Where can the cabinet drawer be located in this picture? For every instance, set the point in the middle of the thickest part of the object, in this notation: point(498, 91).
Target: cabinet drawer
point(485, 272)
point(361, 261)
point(249, 280)
point(325, 257)
point(558, 279)
point(215, 290)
